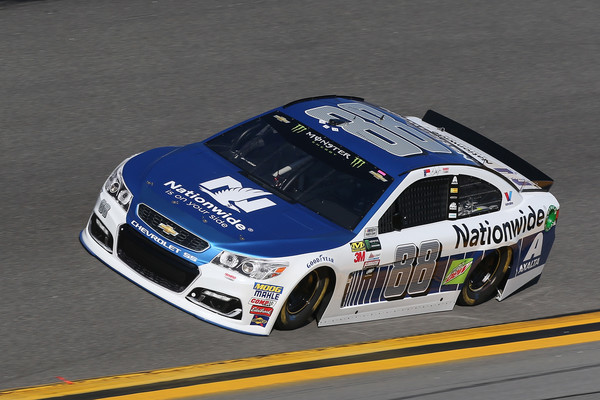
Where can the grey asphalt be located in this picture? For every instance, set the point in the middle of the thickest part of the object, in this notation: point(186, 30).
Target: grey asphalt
point(85, 84)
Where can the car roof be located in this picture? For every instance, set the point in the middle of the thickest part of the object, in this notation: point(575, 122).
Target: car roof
point(330, 116)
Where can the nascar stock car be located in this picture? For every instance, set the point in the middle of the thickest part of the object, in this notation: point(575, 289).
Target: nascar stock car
point(329, 208)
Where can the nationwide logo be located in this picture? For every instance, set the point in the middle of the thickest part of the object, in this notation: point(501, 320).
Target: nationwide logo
point(486, 234)
point(226, 193)
point(168, 229)
point(235, 196)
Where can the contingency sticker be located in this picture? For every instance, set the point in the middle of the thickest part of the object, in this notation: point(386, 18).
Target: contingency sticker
point(458, 271)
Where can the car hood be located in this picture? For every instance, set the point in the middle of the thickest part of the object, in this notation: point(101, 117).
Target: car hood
point(205, 194)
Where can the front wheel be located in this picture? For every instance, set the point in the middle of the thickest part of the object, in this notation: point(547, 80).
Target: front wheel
point(483, 281)
point(300, 306)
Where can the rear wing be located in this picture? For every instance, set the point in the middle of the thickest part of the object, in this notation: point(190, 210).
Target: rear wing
point(490, 147)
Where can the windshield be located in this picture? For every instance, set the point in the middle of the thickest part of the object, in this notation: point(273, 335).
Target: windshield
point(300, 165)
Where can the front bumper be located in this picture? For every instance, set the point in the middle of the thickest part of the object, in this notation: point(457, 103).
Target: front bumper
point(209, 292)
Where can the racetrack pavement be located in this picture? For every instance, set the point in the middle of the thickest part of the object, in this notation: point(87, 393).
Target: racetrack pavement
point(86, 84)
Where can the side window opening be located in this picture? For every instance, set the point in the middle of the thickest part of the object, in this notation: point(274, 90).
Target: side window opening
point(440, 198)
point(423, 202)
point(476, 197)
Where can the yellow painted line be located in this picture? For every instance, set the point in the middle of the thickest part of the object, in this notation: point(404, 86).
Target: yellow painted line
point(357, 368)
point(199, 370)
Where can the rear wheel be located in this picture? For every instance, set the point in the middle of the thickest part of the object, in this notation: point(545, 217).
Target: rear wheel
point(300, 306)
point(482, 283)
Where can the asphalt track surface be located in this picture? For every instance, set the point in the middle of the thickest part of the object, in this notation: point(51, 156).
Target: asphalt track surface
point(85, 84)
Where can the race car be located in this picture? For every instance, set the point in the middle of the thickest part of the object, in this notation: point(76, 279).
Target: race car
point(326, 208)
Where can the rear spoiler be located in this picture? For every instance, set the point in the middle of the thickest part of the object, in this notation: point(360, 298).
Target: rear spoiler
point(490, 147)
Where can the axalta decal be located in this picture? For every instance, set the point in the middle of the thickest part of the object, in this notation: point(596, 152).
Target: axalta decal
point(229, 198)
point(533, 256)
point(486, 234)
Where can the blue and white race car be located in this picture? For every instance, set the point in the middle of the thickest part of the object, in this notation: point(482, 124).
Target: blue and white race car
point(329, 208)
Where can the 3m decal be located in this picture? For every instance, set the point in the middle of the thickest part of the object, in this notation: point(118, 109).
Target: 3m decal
point(457, 272)
point(357, 246)
point(486, 234)
point(411, 274)
point(359, 256)
point(393, 135)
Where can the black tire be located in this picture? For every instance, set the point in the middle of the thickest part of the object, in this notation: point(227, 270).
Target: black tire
point(482, 282)
point(300, 306)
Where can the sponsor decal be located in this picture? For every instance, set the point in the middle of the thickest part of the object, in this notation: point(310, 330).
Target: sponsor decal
point(357, 162)
point(452, 206)
point(379, 175)
point(103, 208)
point(230, 276)
point(551, 218)
point(508, 196)
point(261, 310)
point(453, 190)
point(433, 171)
point(454, 180)
point(372, 244)
point(325, 144)
point(155, 238)
point(261, 302)
point(452, 215)
point(259, 320)
point(359, 256)
point(372, 260)
point(371, 231)
point(281, 118)
point(230, 196)
point(269, 292)
point(533, 256)
point(485, 234)
point(268, 288)
point(357, 246)
point(457, 272)
point(318, 260)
